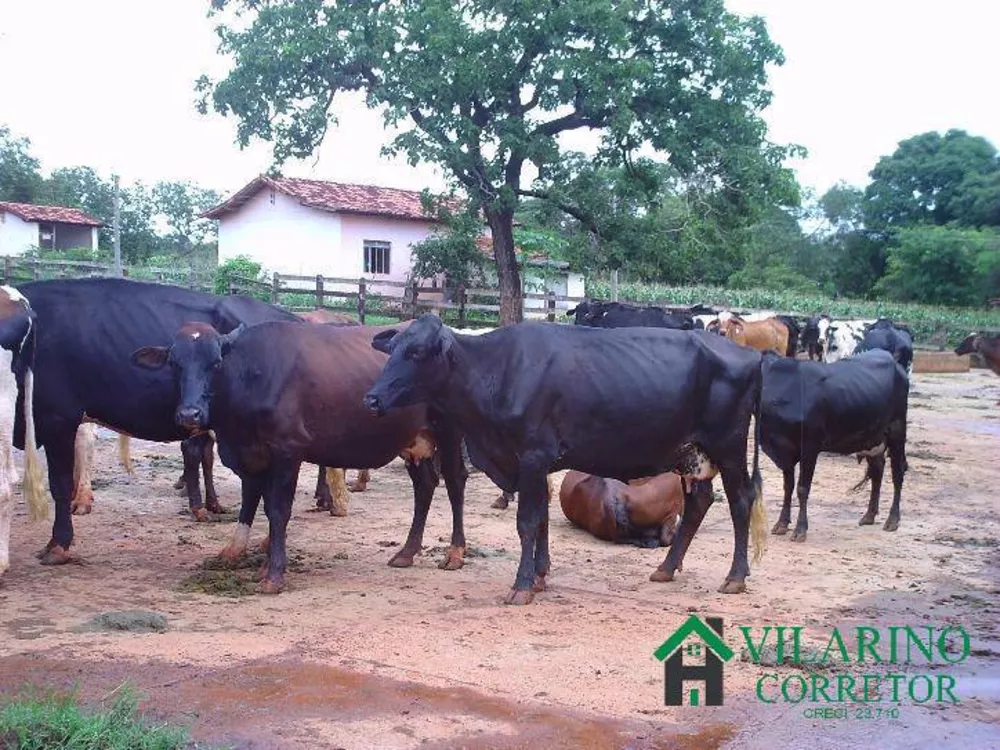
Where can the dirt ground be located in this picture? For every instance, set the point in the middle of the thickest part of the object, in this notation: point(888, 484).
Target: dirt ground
point(355, 654)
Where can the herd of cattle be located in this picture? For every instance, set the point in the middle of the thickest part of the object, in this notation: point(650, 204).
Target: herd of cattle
point(643, 407)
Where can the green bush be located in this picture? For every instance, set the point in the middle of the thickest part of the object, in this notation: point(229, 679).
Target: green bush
point(52, 722)
point(235, 272)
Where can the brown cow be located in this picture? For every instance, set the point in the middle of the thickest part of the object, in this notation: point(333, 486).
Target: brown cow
point(763, 335)
point(643, 512)
point(985, 345)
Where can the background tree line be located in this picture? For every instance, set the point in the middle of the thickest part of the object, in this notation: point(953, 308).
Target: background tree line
point(159, 222)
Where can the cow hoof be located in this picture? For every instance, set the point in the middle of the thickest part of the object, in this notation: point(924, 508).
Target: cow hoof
point(733, 587)
point(891, 524)
point(215, 508)
point(180, 484)
point(868, 519)
point(200, 514)
point(798, 536)
point(355, 487)
point(269, 586)
point(230, 553)
point(780, 529)
point(500, 503)
point(401, 559)
point(319, 508)
point(519, 597)
point(82, 509)
point(55, 555)
point(661, 576)
point(454, 559)
point(265, 544)
point(339, 511)
point(539, 584)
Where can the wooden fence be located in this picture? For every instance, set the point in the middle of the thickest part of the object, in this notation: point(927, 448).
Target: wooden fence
point(18, 269)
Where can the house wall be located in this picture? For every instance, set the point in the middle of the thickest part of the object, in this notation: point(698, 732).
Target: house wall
point(286, 237)
point(16, 235)
point(283, 236)
point(73, 236)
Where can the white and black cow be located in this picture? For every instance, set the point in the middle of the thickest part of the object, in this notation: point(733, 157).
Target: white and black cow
point(843, 337)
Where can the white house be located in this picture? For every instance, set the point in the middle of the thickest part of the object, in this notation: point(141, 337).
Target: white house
point(25, 225)
point(309, 227)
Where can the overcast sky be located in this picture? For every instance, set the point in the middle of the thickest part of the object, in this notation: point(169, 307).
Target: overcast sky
point(109, 84)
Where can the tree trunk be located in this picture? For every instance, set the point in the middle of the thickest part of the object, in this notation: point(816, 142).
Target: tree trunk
point(511, 297)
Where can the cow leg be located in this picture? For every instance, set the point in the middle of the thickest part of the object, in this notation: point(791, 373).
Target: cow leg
point(360, 484)
point(739, 492)
point(785, 518)
point(874, 474)
point(532, 528)
point(542, 561)
point(59, 450)
point(279, 493)
point(324, 500)
point(208, 469)
point(897, 459)
point(505, 499)
point(806, 469)
point(192, 449)
point(425, 479)
point(455, 475)
point(697, 501)
point(83, 464)
point(252, 489)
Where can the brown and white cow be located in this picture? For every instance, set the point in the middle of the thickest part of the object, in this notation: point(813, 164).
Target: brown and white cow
point(16, 361)
point(643, 512)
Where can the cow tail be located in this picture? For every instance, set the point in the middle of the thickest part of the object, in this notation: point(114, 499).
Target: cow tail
point(34, 481)
point(124, 452)
point(758, 511)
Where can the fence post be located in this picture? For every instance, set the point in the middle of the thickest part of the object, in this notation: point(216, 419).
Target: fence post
point(319, 291)
point(614, 285)
point(34, 270)
point(275, 288)
point(462, 299)
point(550, 303)
point(8, 269)
point(232, 288)
point(361, 300)
point(413, 298)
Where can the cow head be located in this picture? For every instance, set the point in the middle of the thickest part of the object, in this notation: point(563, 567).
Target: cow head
point(418, 365)
point(968, 345)
point(195, 356)
point(734, 329)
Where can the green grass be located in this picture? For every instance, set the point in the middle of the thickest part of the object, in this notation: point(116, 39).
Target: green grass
point(51, 721)
point(950, 324)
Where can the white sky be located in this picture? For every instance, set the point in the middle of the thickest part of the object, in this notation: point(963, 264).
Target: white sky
point(109, 84)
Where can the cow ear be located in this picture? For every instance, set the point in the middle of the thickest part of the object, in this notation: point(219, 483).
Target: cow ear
point(227, 340)
point(150, 357)
point(383, 341)
point(571, 313)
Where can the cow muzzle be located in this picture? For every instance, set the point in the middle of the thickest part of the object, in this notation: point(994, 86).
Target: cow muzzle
point(373, 403)
point(190, 417)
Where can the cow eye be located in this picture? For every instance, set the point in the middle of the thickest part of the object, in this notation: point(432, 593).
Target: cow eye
point(217, 365)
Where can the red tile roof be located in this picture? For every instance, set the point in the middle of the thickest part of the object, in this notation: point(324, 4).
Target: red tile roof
point(54, 214)
point(333, 196)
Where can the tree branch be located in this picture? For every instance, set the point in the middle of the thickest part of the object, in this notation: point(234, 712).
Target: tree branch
point(568, 208)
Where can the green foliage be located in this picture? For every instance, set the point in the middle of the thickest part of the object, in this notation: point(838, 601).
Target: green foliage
point(19, 177)
point(935, 179)
point(235, 272)
point(942, 265)
point(52, 722)
point(452, 248)
point(490, 87)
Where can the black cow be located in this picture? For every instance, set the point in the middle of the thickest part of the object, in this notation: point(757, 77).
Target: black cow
point(534, 398)
point(277, 395)
point(856, 405)
point(894, 338)
point(621, 315)
point(793, 334)
point(87, 330)
point(813, 340)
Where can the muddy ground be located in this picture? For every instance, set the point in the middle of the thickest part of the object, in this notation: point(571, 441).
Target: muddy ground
point(355, 654)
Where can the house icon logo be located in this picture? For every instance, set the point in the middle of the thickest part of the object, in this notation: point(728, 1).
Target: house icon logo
point(675, 672)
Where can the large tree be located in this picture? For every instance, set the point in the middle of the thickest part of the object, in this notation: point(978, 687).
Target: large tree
point(935, 179)
point(488, 87)
point(20, 180)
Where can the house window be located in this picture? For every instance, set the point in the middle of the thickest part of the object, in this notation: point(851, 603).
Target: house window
point(377, 257)
point(46, 236)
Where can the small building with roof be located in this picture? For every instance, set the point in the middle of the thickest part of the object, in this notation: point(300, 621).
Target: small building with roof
point(24, 226)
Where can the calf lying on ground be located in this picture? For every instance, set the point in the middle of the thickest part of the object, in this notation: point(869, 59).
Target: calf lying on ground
point(857, 405)
point(279, 394)
point(643, 512)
